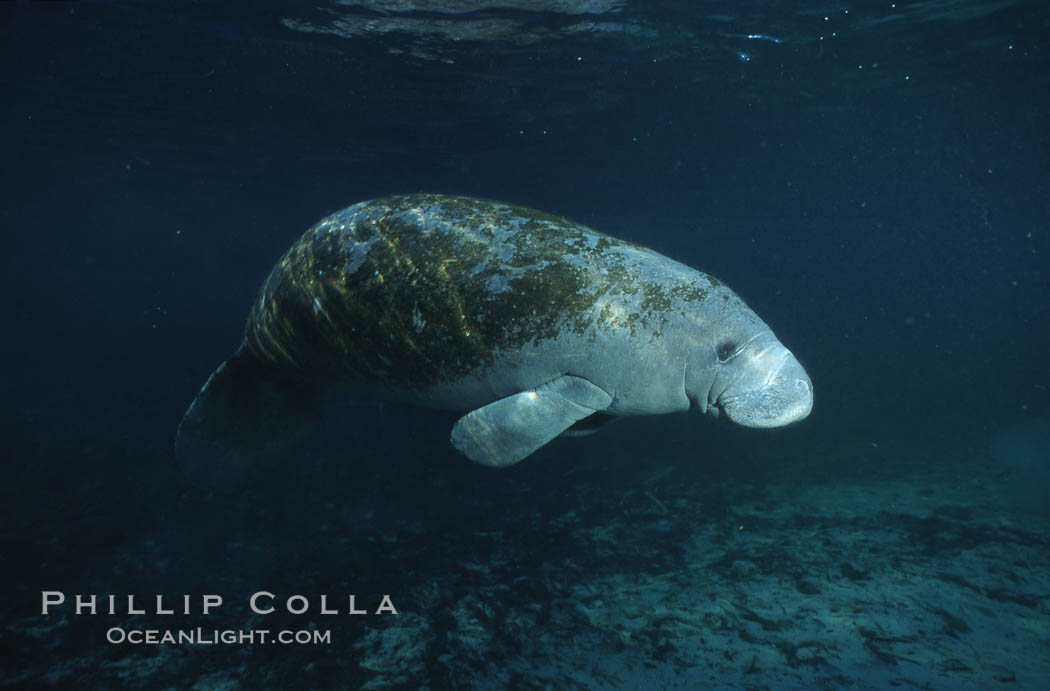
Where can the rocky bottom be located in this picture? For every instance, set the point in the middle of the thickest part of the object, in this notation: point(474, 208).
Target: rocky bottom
point(594, 565)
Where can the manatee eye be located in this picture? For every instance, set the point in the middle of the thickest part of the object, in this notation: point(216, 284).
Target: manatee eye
point(725, 350)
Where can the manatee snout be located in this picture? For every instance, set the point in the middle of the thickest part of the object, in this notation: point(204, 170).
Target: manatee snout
point(774, 390)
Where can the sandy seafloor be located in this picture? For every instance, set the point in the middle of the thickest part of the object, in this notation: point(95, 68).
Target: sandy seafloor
point(605, 564)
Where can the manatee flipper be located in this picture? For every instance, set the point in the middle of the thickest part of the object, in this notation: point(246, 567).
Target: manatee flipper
point(589, 425)
point(242, 423)
point(506, 431)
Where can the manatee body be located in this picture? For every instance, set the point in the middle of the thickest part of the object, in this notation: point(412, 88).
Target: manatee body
point(531, 325)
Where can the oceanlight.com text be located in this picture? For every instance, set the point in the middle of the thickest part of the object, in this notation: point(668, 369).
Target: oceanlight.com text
point(201, 636)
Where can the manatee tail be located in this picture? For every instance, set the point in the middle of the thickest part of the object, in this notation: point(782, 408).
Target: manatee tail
point(242, 424)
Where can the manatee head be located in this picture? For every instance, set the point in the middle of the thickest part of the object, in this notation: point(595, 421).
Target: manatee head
point(743, 371)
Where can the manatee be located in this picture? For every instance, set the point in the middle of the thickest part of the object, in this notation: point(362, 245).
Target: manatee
point(530, 325)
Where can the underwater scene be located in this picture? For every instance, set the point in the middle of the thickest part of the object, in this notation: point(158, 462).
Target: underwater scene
point(525, 344)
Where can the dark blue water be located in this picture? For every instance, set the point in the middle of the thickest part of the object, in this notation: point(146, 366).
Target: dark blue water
point(872, 178)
